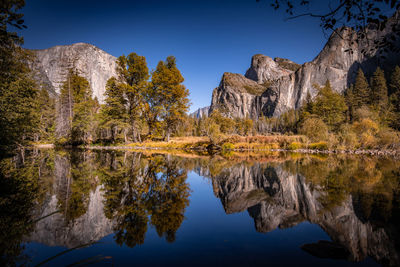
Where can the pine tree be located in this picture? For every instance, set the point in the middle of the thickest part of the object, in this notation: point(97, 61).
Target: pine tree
point(133, 73)
point(113, 113)
point(330, 106)
point(174, 101)
point(362, 91)
point(394, 86)
point(46, 106)
point(349, 98)
point(76, 110)
point(18, 91)
point(379, 91)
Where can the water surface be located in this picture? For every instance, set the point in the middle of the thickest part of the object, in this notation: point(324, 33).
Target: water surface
point(60, 208)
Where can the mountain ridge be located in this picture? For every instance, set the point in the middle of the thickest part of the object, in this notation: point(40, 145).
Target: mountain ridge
point(338, 61)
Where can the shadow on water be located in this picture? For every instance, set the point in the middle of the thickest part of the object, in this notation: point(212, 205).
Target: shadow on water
point(72, 199)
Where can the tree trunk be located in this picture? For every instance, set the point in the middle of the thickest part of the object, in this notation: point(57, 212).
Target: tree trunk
point(125, 137)
point(134, 132)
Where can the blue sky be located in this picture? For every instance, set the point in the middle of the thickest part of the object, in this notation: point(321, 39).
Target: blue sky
point(208, 38)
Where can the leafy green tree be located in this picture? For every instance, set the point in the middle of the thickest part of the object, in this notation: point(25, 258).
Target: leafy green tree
point(330, 106)
point(173, 95)
point(362, 91)
point(114, 115)
point(379, 91)
point(133, 74)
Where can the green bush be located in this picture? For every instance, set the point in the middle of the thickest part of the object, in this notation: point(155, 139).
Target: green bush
point(319, 146)
point(347, 138)
point(227, 146)
point(62, 141)
point(294, 146)
point(388, 138)
point(315, 129)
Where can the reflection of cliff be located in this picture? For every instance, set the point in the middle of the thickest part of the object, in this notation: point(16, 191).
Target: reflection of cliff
point(277, 198)
point(90, 227)
point(81, 218)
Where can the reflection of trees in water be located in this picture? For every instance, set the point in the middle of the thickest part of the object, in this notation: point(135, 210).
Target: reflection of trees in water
point(76, 177)
point(140, 190)
point(19, 193)
point(373, 184)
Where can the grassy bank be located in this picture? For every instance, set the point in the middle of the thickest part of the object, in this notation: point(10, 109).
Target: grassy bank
point(242, 146)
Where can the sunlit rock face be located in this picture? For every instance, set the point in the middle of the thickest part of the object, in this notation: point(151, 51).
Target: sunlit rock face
point(264, 68)
point(239, 97)
point(288, 86)
point(51, 66)
point(276, 198)
point(200, 113)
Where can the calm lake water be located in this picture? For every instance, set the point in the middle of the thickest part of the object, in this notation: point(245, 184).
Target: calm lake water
point(60, 208)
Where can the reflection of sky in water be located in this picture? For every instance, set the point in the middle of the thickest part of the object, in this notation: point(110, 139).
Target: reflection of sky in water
point(207, 236)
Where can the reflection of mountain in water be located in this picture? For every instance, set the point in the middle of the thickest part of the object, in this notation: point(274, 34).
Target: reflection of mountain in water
point(90, 227)
point(275, 198)
point(58, 229)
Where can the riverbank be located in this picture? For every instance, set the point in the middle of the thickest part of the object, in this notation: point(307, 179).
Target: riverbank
point(239, 145)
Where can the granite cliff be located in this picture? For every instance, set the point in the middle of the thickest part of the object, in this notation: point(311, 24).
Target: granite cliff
point(51, 66)
point(286, 83)
point(200, 113)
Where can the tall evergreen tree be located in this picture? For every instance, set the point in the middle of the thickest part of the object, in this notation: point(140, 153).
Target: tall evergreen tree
point(47, 117)
point(18, 108)
point(114, 115)
point(379, 91)
point(349, 98)
point(167, 79)
point(76, 110)
point(133, 73)
point(330, 106)
point(394, 86)
point(362, 91)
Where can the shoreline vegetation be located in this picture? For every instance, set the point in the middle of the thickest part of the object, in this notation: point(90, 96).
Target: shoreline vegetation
point(254, 144)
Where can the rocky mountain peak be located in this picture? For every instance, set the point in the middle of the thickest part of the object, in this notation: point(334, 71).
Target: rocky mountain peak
point(51, 66)
point(264, 68)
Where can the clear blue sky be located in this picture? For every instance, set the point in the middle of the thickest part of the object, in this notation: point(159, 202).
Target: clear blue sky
point(208, 38)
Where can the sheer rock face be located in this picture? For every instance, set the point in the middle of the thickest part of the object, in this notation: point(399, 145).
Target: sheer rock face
point(201, 113)
point(263, 69)
point(275, 198)
point(338, 61)
point(237, 96)
point(51, 66)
